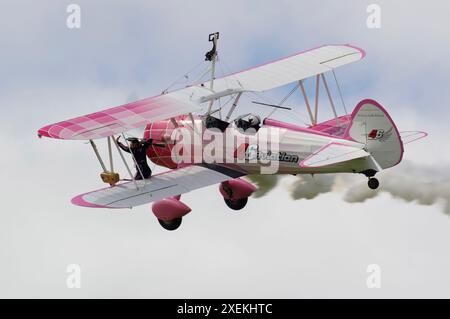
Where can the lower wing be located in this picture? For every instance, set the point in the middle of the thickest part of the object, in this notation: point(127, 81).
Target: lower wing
point(160, 186)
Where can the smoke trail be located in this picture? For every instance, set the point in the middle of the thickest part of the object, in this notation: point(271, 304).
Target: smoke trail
point(265, 183)
point(308, 187)
point(409, 182)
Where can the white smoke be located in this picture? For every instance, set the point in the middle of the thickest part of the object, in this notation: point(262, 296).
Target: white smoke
point(407, 181)
point(308, 187)
point(265, 183)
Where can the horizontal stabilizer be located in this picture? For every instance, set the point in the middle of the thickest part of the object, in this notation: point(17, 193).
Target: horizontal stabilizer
point(412, 136)
point(333, 153)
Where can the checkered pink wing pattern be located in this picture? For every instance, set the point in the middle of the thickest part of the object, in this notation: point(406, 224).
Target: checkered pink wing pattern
point(120, 119)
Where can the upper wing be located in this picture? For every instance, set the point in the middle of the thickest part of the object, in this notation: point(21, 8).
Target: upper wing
point(277, 73)
point(333, 153)
point(263, 77)
point(160, 186)
point(121, 118)
point(290, 69)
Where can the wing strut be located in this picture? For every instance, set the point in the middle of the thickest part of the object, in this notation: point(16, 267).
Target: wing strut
point(302, 88)
point(109, 176)
point(125, 162)
point(94, 147)
point(111, 164)
point(316, 104)
point(314, 117)
point(227, 118)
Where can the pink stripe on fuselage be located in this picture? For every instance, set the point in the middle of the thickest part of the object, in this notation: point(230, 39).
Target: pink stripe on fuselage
point(297, 128)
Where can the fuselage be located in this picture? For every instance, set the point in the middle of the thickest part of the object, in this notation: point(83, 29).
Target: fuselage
point(278, 147)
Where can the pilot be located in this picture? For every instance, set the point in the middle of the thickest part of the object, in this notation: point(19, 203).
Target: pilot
point(139, 150)
point(254, 121)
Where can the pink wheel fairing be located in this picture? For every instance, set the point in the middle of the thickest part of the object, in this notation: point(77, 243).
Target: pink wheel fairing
point(236, 189)
point(170, 208)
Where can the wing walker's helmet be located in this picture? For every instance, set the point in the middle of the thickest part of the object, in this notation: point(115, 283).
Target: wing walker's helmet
point(134, 142)
point(132, 139)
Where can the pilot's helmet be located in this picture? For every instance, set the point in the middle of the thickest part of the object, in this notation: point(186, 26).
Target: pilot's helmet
point(254, 120)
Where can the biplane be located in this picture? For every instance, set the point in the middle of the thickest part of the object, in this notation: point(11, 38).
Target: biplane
point(364, 141)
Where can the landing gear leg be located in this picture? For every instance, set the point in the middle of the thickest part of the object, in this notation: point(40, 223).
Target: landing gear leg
point(373, 183)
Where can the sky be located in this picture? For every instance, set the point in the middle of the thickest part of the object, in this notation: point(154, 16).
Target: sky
point(277, 247)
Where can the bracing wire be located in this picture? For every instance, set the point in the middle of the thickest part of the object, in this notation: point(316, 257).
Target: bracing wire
point(184, 76)
point(225, 68)
point(340, 92)
point(289, 95)
point(284, 100)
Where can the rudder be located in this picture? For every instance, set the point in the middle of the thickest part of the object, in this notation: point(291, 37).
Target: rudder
point(372, 126)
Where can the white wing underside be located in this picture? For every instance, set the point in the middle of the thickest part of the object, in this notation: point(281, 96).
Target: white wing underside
point(160, 186)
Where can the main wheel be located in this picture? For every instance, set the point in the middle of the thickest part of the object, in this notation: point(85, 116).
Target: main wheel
point(236, 204)
point(373, 183)
point(170, 224)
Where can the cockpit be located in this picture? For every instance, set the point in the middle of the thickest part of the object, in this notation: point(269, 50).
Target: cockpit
point(248, 122)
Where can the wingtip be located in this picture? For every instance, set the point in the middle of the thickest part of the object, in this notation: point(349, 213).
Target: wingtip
point(362, 51)
point(44, 132)
point(80, 201)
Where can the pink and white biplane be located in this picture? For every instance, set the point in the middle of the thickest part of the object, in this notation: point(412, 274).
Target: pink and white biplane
point(365, 141)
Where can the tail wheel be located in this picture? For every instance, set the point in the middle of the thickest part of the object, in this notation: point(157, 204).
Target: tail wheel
point(373, 183)
point(170, 224)
point(236, 204)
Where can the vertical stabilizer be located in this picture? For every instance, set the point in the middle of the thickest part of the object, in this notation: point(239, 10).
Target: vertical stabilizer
point(372, 126)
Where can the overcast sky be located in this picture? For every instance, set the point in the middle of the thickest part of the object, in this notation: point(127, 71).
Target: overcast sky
point(276, 246)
